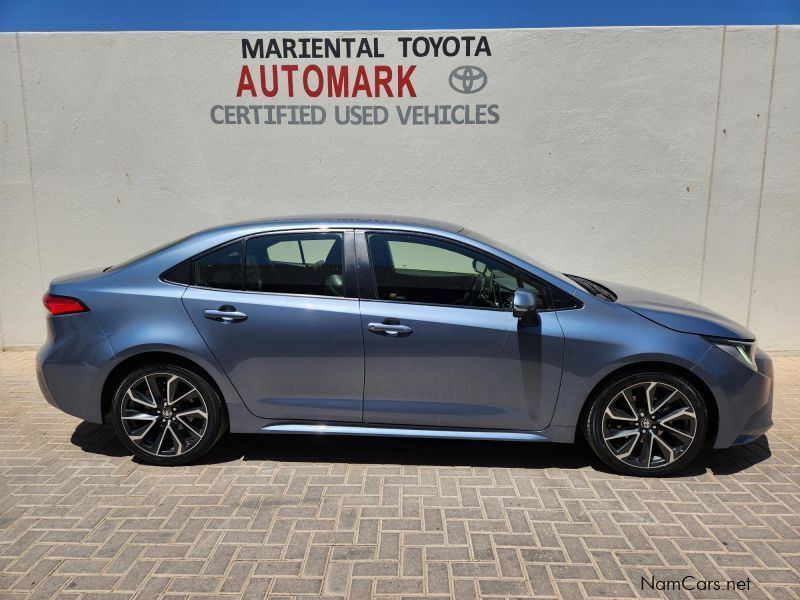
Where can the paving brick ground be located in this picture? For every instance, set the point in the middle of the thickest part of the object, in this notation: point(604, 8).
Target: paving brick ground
point(360, 518)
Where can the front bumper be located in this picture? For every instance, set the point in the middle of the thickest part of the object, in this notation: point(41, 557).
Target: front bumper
point(743, 396)
point(69, 365)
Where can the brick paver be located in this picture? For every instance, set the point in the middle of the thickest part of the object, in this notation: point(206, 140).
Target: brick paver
point(358, 518)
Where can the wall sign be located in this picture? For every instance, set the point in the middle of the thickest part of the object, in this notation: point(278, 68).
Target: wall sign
point(298, 81)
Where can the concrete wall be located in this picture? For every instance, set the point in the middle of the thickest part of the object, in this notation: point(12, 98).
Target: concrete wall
point(663, 157)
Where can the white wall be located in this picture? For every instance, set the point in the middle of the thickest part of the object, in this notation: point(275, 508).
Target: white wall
point(663, 157)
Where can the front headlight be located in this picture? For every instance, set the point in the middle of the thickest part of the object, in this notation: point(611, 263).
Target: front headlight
point(740, 350)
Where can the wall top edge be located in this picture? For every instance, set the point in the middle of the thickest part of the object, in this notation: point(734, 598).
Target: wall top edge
point(364, 32)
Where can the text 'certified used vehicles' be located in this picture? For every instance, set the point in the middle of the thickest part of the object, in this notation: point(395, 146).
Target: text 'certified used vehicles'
point(393, 327)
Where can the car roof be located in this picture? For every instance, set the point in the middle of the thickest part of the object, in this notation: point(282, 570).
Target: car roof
point(172, 254)
point(345, 219)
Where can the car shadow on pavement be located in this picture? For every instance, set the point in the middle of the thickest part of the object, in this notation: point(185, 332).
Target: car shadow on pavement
point(101, 439)
point(98, 439)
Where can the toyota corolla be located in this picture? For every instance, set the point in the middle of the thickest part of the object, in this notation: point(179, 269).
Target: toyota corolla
point(377, 326)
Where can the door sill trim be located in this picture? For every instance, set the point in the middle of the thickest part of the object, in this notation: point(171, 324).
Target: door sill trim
point(506, 436)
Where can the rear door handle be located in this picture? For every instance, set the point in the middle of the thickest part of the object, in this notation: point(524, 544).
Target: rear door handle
point(225, 314)
point(390, 330)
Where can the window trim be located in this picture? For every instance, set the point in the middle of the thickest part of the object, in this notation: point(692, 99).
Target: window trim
point(367, 283)
point(348, 264)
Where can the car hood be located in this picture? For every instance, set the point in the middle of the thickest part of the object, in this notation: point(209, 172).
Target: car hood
point(677, 313)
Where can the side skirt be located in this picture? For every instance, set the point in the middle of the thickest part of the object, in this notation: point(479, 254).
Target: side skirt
point(507, 436)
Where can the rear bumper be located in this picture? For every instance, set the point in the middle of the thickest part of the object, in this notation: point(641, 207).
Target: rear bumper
point(69, 365)
point(743, 395)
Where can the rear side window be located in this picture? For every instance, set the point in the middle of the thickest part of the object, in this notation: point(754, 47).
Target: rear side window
point(221, 269)
point(305, 249)
point(296, 263)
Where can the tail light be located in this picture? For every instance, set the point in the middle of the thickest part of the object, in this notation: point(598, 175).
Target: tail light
point(63, 305)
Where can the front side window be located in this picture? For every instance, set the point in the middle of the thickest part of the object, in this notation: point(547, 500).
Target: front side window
point(296, 263)
point(409, 268)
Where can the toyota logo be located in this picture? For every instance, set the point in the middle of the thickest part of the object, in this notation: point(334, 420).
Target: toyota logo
point(468, 79)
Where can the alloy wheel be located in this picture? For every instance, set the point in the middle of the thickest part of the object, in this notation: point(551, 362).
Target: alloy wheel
point(164, 414)
point(649, 425)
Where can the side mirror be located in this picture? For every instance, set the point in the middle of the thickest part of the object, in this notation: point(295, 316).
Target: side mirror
point(525, 303)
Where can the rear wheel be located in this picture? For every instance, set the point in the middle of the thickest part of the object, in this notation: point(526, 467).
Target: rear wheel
point(647, 424)
point(167, 415)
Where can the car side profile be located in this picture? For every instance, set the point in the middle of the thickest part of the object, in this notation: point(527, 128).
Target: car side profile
point(381, 326)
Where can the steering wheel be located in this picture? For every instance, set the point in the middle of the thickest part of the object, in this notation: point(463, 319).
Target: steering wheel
point(478, 285)
point(488, 292)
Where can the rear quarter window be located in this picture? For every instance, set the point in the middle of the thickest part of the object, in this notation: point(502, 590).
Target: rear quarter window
point(180, 274)
point(221, 269)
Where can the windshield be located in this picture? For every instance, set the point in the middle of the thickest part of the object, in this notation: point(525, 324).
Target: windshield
point(594, 288)
point(518, 253)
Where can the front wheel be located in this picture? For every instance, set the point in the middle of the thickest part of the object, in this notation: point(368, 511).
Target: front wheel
point(647, 424)
point(166, 414)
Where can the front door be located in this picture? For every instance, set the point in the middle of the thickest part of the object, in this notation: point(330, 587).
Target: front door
point(274, 311)
point(442, 348)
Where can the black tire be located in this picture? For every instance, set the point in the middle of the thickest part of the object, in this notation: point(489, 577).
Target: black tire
point(180, 432)
point(608, 433)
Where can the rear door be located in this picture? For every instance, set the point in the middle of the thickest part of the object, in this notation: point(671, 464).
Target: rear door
point(279, 312)
point(442, 348)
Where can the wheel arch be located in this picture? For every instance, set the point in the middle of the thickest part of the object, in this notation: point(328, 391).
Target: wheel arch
point(135, 361)
point(645, 366)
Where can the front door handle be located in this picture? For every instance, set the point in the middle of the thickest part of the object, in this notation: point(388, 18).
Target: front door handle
point(391, 330)
point(225, 314)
